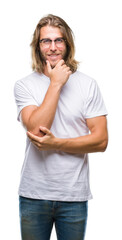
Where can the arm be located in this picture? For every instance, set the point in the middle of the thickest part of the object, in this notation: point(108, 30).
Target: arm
point(96, 141)
point(32, 116)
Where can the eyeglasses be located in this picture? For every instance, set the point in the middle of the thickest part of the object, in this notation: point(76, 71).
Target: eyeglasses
point(46, 42)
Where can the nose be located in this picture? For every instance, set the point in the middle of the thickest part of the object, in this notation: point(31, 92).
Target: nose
point(53, 46)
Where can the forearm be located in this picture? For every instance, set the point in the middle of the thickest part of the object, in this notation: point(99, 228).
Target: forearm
point(80, 145)
point(33, 117)
point(44, 114)
point(95, 142)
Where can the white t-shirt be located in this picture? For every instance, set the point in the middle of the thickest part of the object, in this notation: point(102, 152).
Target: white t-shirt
point(56, 175)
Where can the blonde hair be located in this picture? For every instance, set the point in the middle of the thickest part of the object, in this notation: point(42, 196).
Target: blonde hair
point(54, 21)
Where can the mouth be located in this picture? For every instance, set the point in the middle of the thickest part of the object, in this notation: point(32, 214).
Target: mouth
point(54, 56)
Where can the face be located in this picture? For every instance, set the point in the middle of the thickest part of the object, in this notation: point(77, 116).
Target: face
point(54, 52)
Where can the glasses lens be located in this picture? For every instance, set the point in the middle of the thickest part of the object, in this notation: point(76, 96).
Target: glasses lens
point(59, 41)
point(46, 42)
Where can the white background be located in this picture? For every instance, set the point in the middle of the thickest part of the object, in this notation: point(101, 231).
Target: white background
point(97, 26)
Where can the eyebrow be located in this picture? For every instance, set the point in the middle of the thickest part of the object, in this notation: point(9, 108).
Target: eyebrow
point(40, 40)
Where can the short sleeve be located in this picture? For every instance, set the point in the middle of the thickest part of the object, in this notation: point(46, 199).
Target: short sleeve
point(94, 103)
point(23, 97)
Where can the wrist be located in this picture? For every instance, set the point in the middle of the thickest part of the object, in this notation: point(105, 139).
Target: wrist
point(59, 142)
point(55, 87)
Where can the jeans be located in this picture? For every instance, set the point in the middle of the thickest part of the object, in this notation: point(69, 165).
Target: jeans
point(38, 216)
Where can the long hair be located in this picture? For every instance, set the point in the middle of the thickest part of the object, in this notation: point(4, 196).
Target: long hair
point(54, 21)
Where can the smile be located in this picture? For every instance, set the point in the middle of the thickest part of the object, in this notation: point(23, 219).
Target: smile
point(53, 56)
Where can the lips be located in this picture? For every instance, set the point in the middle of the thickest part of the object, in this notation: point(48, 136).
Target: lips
point(53, 56)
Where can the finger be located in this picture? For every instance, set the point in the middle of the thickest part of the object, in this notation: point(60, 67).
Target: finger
point(60, 63)
point(69, 72)
point(68, 69)
point(64, 66)
point(45, 130)
point(33, 137)
point(37, 145)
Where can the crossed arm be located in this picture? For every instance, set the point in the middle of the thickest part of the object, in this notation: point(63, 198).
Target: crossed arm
point(38, 120)
point(96, 141)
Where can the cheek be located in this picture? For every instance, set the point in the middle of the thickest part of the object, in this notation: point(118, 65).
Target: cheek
point(43, 54)
point(42, 51)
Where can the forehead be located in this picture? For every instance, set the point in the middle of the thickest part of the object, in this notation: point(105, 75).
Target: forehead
point(50, 32)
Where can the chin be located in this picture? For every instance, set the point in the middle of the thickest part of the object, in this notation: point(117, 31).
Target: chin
point(53, 64)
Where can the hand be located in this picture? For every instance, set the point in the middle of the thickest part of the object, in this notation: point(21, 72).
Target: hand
point(59, 74)
point(47, 142)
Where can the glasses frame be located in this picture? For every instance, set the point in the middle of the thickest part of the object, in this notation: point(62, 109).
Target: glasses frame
point(50, 41)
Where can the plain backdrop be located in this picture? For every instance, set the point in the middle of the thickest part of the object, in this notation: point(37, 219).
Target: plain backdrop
point(97, 26)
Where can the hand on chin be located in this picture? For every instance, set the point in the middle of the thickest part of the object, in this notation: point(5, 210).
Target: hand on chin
point(53, 63)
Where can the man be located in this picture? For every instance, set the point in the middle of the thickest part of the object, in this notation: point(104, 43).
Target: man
point(58, 106)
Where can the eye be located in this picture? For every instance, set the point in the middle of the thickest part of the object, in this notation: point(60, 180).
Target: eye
point(46, 41)
point(59, 40)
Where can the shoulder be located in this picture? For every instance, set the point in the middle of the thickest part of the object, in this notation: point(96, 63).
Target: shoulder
point(82, 81)
point(27, 79)
point(31, 81)
point(82, 78)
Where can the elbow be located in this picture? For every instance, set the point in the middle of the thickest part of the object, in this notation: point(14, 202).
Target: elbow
point(104, 145)
point(103, 142)
point(36, 132)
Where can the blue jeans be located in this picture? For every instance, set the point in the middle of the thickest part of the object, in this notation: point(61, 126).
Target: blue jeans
point(37, 218)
